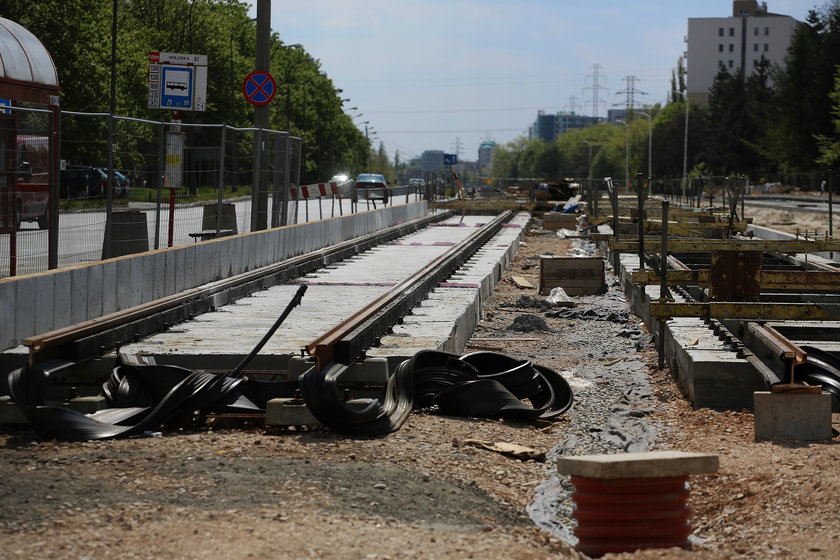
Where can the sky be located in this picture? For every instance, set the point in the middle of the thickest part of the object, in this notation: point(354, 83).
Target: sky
point(448, 74)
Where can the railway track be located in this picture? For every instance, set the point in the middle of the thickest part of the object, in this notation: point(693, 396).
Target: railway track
point(396, 277)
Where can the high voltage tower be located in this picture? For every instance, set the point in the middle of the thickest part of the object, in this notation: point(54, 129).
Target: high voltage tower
point(457, 147)
point(630, 92)
point(595, 88)
point(573, 105)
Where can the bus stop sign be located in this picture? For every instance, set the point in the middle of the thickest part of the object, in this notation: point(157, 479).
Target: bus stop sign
point(259, 88)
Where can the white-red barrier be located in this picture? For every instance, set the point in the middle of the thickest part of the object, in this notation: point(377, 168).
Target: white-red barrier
point(315, 190)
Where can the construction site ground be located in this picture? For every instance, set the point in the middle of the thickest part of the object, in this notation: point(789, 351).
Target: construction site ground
point(440, 487)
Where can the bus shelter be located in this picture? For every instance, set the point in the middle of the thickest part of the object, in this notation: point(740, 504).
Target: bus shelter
point(28, 158)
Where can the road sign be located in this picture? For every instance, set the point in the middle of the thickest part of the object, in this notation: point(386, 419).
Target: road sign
point(177, 81)
point(5, 103)
point(259, 88)
point(450, 159)
point(176, 84)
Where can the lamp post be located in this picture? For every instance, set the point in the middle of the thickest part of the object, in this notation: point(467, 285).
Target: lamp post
point(588, 143)
point(626, 152)
point(590, 190)
point(232, 34)
point(650, 143)
point(685, 143)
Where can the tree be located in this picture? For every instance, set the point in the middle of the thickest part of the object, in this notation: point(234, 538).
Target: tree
point(830, 145)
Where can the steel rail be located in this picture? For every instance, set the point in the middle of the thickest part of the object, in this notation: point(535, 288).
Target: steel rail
point(345, 342)
point(90, 338)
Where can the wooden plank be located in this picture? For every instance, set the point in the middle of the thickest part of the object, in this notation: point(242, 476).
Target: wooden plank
point(521, 282)
point(576, 275)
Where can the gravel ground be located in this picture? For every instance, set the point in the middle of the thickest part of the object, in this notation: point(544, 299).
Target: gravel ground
point(432, 489)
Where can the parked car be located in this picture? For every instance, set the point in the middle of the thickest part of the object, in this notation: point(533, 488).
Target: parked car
point(371, 186)
point(120, 183)
point(79, 181)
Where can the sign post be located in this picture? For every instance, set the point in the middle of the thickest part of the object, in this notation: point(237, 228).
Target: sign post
point(259, 88)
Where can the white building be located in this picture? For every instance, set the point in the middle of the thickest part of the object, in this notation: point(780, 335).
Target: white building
point(736, 42)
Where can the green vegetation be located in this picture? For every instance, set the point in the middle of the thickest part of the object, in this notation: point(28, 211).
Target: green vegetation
point(78, 35)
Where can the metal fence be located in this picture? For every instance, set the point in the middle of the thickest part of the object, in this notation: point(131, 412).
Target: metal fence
point(171, 184)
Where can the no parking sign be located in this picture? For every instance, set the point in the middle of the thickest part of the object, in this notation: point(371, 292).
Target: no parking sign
point(259, 88)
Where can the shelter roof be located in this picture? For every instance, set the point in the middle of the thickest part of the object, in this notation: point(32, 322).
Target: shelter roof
point(23, 58)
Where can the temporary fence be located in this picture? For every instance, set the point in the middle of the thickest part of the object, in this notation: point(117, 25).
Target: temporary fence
point(171, 183)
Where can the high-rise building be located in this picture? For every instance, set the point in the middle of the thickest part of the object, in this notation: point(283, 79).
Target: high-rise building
point(547, 127)
point(485, 154)
point(431, 161)
point(734, 43)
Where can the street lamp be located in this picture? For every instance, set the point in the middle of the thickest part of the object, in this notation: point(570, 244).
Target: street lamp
point(650, 143)
point(626, 152)
point(232, 33)
point(685, 143)
point(588, 143)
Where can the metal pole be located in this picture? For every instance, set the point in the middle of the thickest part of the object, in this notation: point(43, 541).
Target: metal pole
point(641, 205)
point(160, 171)
point(831, 178)
point(685, 144)
point(261, 114)
point(663, 286)
point(284, 218)
point(55, 185)
point(223, 141)
point(109, 201)
point(277, 183)
point(255, 181)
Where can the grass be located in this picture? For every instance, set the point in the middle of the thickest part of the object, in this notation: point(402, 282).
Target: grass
point(140, 194)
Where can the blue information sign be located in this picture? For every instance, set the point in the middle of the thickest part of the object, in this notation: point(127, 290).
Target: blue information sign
point(259, 87)
point(450, 159)
point(176, 85)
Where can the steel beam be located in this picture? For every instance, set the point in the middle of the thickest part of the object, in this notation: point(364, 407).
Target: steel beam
point(747, 311)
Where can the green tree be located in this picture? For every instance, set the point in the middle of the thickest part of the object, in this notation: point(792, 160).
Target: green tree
point(830, 144)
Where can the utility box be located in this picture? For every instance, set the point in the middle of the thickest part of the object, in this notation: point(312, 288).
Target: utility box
point(578, 276)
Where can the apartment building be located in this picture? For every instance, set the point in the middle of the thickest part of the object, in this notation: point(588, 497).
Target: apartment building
point(734, 43)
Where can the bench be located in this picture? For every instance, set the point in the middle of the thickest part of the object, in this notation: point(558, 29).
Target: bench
point(206, 234)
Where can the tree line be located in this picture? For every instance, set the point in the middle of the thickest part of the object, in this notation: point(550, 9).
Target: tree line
point(77, 33)
point(775, 123)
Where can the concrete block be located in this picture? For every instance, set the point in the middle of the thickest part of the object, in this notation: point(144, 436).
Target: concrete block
point(88, 405)
point(798, 416)
point(298, 365)
point(373, 371)
point(647, 464)
point(288, 412)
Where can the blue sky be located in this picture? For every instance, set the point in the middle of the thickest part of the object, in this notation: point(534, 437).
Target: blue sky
point(433, 74)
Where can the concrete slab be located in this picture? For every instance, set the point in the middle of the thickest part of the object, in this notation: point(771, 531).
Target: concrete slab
point(219, 340)
point(647, 464)
point(798, 416)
